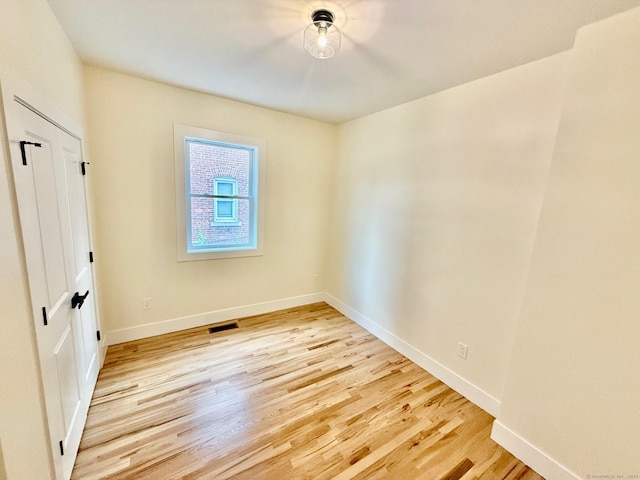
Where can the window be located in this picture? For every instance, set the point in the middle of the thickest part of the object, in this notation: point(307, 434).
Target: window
point(218, 194)
point(225, 211)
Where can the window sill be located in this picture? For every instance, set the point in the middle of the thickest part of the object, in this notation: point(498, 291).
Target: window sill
point(230, 252)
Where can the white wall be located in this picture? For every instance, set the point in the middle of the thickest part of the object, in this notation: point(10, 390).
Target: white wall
point(34, 47)
point(131, 145)
point(435, 211)
point(573, 388)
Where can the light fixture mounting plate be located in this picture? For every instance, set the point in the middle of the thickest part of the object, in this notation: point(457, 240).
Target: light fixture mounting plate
point(323, 15)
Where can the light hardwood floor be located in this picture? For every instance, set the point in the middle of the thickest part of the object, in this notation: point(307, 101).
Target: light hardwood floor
point(303, 393)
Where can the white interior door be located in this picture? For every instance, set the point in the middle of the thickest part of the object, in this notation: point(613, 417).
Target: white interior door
point(48, 173)
point(81, 267)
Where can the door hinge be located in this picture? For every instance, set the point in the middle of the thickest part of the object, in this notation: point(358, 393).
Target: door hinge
point(83, 168)
point(61, 448)
point(90, 257)
point(98, 335)
point(24, 152)
point(44, 316)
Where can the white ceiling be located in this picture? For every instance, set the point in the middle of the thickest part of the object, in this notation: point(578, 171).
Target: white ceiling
point(393, 51)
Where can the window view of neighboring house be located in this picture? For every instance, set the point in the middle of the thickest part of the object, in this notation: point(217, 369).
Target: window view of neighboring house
point(219, 184)
point(219, 194)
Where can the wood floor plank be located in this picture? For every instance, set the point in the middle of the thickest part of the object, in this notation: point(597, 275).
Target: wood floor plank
point(302, 393)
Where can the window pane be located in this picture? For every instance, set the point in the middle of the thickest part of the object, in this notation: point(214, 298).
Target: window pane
point(208, 161)
point(210, 230)
point(225, 208)
point(224, 188)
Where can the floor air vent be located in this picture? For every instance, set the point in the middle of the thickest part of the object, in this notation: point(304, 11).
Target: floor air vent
point(221, 328)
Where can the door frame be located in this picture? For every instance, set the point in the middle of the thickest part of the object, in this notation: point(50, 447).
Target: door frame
point(18, 93)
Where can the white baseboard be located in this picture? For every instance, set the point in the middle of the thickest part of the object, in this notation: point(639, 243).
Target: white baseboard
point(176, 324)
point(529, 454)
point(478, 396)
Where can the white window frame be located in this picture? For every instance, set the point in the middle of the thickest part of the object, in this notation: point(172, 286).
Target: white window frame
point(182, 133)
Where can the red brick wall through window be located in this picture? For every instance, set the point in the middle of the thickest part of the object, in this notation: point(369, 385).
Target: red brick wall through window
point(206, 162)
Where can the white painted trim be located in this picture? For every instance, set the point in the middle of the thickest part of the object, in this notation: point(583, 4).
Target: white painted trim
point(529, 454)
point(13, 84)
point(258, 189)
point(465, 388)
point(176, 324)
point(104, 345)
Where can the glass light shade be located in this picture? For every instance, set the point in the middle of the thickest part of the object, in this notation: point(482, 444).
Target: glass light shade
point(322, 39)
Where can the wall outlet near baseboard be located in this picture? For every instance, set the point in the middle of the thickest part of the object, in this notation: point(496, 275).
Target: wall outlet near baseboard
point(462, 350)
point(146, 303)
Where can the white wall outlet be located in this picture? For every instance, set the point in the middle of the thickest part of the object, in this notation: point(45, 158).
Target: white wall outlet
point(462, 350)
point(316, 278)
point(146, 303)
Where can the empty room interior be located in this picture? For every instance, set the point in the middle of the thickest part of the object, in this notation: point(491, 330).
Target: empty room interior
point(306, 239)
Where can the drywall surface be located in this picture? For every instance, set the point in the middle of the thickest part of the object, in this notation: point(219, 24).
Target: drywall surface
point(130, 122)
point(573, 389)
point(33, 47)
point(435, 210)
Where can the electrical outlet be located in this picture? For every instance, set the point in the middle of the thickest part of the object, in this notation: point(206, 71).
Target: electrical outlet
point(146, 303)
point(316, 278)
point(462, 350)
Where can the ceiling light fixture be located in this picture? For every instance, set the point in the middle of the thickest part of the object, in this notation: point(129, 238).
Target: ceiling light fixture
point(322, 37)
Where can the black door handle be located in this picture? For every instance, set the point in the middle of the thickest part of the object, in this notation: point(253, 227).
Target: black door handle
point(77, 300)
